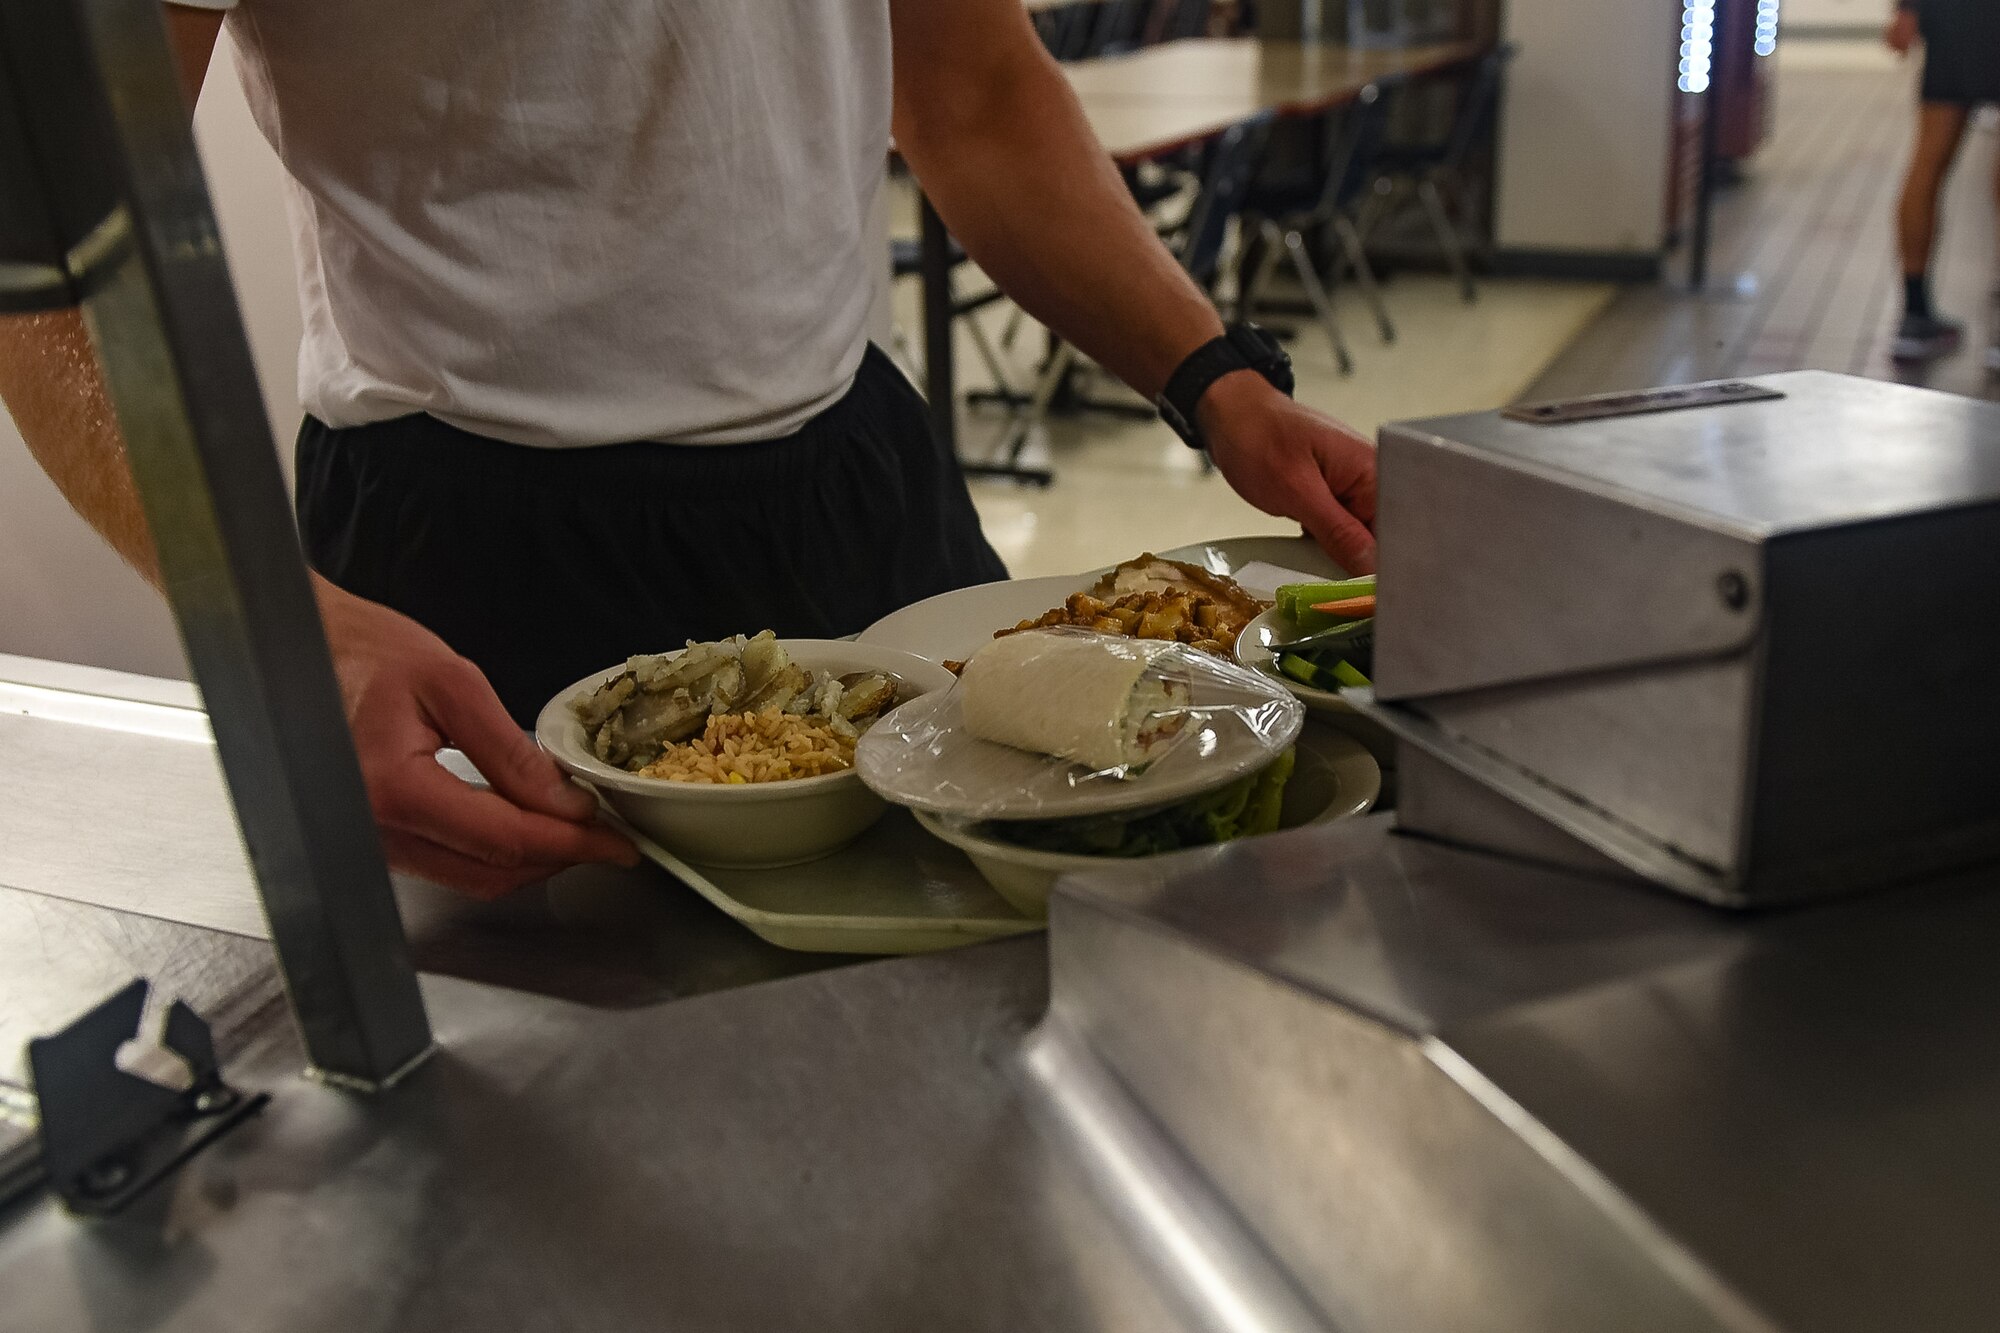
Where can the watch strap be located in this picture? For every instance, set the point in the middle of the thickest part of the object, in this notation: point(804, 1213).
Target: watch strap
point(1241, 347)
point(1202, 367)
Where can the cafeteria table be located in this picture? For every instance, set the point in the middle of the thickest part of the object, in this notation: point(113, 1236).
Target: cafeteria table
point(1155, 101)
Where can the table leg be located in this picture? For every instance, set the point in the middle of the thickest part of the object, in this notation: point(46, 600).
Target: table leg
point(938, 379)
point(939, 382)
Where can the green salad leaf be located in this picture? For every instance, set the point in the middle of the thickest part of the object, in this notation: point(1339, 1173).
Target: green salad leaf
point(1246, 807)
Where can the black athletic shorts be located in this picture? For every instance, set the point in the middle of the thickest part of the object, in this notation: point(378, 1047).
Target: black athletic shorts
point(1961, 50)
point(542, 565)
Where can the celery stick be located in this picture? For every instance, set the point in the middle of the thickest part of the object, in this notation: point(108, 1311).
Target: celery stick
point(1294, 598)
point(1297, 668)
point(1346, 674)
point(1309, 621)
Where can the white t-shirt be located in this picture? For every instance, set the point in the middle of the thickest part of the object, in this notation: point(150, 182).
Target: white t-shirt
point(574, 222)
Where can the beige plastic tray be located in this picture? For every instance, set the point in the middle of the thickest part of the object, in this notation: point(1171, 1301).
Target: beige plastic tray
point(895, 889)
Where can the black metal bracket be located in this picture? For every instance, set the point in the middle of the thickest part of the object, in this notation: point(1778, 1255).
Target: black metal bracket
point(109, 1135)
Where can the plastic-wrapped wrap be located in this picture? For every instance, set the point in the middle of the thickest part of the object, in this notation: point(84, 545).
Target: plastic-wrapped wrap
point(1057, 723)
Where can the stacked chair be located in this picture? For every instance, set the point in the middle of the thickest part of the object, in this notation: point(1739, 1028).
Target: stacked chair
point(906, 261)
point(1081, 31)
point(1076, 32)
point(1434, 174)
point(1228, 163)
point(1289, 213)
point(1302, 219)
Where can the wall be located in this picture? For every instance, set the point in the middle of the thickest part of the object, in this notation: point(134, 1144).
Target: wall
point(1584, 126)
point(63, 594)
point(1852, 15)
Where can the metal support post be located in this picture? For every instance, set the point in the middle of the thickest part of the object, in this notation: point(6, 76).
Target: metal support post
point(102, 204)
point(935, 269)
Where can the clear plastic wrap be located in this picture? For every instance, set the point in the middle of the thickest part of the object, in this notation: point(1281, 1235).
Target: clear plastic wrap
point(1116, 725)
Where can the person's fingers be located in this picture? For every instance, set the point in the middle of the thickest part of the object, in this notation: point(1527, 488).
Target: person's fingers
point(1339, 533)
point(1342, 537)
point(440, 865)
point(470, 715)
point(1348, 463)
point(419, 796)
point(1357, 496)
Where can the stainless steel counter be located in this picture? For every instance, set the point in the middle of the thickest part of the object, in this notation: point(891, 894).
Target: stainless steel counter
point(1454, 1092)
point(1339, 1079)
point(845, 1151)
point(110, 795)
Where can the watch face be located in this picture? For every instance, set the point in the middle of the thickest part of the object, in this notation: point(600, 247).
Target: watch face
point(1264, 340)
point(1266, 354)
point(1171, 415)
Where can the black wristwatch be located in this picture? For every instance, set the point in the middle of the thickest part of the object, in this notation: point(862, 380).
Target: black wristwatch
point(1241, 347)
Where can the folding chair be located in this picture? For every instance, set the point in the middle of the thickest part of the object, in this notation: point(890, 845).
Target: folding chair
point(1289, 212)
point(1065, 30)
point(1120, 27)
point(1229, 163)
point(1435, 173)
point(906, 261)
point(1172, 20)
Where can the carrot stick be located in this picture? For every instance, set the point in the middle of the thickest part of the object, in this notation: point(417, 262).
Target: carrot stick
point(1358, 607)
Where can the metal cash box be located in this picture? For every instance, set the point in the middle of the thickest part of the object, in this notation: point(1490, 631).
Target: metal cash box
point(1739, 639)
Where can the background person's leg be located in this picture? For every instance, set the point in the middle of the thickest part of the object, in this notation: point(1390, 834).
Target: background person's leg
point(1940, 127)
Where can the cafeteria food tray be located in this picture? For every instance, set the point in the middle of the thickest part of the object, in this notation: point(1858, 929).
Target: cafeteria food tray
point(898, 890)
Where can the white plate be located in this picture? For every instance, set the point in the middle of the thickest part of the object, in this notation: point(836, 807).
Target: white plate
point(921, 755)
point(894, 889)
point(952, 626)
point(1257, 647)
point(1335, 778)
point(1230, 554)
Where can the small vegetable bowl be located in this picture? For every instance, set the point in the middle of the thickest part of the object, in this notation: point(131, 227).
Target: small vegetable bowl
point(760, 825)
point(1259, 646)
point(1334, 778)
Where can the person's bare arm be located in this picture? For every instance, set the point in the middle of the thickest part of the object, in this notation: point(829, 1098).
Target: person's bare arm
point(52, 387)
point(996, 137)
point(1901, 34)
point(407, 693)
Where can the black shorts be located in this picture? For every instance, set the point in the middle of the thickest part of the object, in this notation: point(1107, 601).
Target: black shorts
point(1961, 50)
point(542, 565)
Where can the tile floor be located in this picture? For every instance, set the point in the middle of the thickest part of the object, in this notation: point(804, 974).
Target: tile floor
point(1804, 273)
point(1125, 486)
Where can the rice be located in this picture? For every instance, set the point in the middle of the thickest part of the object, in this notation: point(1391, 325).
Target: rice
point(755, 747)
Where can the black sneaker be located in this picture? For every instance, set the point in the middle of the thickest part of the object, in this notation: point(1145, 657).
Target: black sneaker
point(1925, 338)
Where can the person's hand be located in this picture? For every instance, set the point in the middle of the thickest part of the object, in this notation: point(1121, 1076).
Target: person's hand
point(1901, 33)
point(1294, 462)
point(407, 697)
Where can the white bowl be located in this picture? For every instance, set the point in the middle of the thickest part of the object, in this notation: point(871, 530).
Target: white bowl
point(751, 826)
point(1335, 778)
